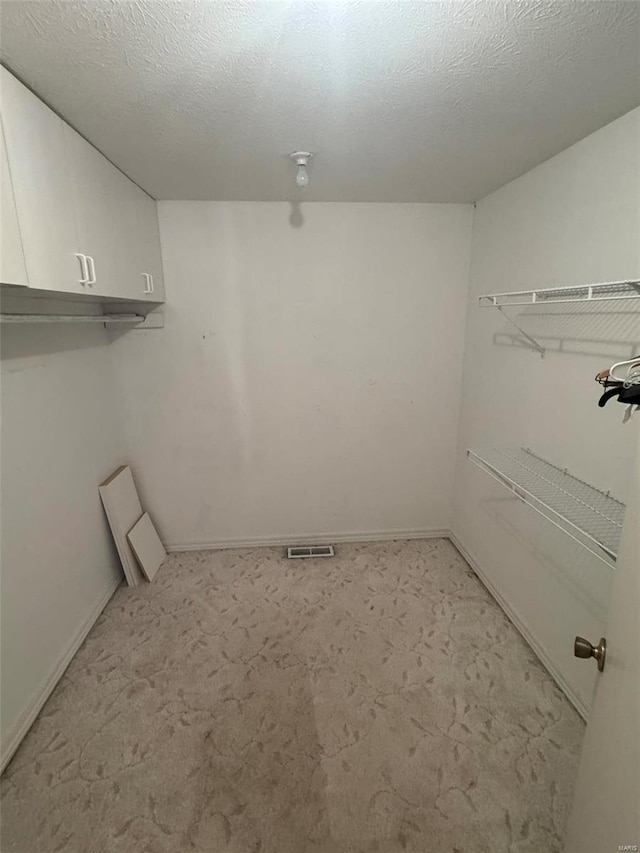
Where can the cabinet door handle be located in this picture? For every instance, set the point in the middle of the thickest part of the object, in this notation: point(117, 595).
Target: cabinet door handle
point(84, 273)
point(150, 284)
point(145, 276)
point(92, 270)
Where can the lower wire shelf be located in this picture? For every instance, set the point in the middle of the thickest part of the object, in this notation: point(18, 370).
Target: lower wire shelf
point(589, 516)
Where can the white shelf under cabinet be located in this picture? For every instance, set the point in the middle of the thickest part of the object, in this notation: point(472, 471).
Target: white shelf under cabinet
point(589, 516)
point(21, 319)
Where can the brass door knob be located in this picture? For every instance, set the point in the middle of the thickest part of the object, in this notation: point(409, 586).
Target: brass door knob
point(583, 649)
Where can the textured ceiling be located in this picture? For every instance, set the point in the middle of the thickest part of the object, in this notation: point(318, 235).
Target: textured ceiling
point(401, 101)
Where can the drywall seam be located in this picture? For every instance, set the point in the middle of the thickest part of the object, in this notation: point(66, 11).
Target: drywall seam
point(41, 695)
point(514, 617)
point(311, 539)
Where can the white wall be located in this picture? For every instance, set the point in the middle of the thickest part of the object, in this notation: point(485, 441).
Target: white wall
point(61, 435)
point(574, 219)
point(307, 381)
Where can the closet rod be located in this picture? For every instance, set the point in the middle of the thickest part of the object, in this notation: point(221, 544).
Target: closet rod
point(71, 318)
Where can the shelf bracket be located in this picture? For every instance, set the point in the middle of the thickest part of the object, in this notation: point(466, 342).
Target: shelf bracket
point(531, 341)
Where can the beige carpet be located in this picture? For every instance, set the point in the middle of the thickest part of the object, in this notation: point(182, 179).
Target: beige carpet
point(379, 702)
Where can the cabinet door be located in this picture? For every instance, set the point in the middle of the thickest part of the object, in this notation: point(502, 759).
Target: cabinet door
point(42, 189)
point(99, 213)
point(12, 265)
point(149, 235)
point(132, 257)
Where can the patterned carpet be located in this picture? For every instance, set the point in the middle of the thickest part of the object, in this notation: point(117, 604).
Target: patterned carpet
point(379, 702)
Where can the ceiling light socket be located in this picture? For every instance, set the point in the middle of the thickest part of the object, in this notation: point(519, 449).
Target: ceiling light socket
point(301, 159)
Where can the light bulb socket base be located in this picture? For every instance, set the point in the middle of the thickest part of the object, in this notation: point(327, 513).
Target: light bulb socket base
point(301, 158)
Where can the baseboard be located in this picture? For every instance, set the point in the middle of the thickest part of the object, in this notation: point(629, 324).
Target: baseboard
point(519, 623)
point(28, 716)
point(311, 539)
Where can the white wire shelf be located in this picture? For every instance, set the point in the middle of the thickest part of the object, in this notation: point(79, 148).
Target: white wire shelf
point(599, 292)
point(589, 516)
point(71, 318)
point(628, 289)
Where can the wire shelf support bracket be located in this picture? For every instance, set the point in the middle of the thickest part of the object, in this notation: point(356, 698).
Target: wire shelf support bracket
point(531, 341)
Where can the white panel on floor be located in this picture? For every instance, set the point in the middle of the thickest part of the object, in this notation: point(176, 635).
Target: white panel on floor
point(122, 506)
point(147, 547)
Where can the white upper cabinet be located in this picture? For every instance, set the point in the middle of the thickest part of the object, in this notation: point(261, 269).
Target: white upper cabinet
point(41, 182)
point(86, 228)
point(117, 223)
point(12, 266)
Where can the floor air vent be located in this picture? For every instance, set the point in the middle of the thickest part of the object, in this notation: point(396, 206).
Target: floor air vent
point(301, 552)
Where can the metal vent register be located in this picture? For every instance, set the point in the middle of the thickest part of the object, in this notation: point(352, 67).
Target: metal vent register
point(302, 552)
